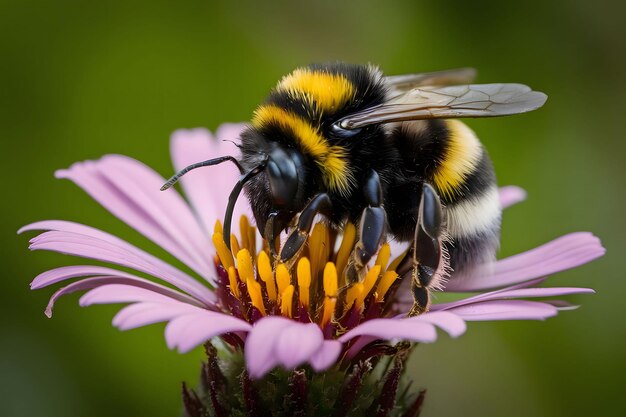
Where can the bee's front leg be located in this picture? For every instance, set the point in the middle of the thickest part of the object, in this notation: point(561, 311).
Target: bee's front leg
point(295, 242)
point(371, 227)
point(424, 262)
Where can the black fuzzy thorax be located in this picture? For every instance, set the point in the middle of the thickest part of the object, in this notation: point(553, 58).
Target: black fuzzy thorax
point(369, 148)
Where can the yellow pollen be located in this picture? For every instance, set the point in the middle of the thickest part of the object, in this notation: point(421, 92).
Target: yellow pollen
point(234, 284)
point(385, 283)
point(383, 256)
point(319, 248)
point(265, 272)
point(304, 280)
point(329, 311)
point(252, 239)
point(254, 289)
point(286, 301)
point(283, 278)
point(354, 293)
point(366, 286)
point(218, 227)
point(330, 280)
point(244, 225)
point(226, 257)
point(244, 265)
point(330, 289)
point(370, 280)
point(234, 244)
point(347, 243)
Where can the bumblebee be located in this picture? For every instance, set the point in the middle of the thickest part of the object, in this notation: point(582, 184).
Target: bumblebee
point(382, 152)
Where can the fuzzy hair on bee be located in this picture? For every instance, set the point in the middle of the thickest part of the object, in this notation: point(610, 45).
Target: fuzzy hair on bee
point(385, 153)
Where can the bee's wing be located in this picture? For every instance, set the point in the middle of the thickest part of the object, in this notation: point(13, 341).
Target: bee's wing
point(474, 100)
point(398, 84)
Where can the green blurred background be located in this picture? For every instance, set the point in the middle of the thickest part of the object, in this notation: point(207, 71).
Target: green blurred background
point(80, 79)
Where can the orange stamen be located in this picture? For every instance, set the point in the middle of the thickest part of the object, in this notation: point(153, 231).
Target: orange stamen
point(226, 258)
point(244, 265)
point(283, 278)
point(265, 272)
point(234, 285)
point(304, 281)
point(256, 298)
point(286, 301)
point(385, 283)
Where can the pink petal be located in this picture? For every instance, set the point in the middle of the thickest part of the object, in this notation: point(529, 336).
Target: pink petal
point(208, 188)
point(358, 344)
point(63, 273)
point(107, 276)
point(505, 310)
point(143, 314)
point(90, 283)
point(170, 210)
point(79, 240)
point(387, 329)
point(130, 191)
point(450, 323)
point(513, 293)
point(297, 343)
point(259, 349)
point(510, 195)
point(326, 356)
point(564, 253)
point(187, 332)
point(230, 132)
point(120, 293)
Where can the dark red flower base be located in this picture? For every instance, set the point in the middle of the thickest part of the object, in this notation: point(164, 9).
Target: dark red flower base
point(374, 387)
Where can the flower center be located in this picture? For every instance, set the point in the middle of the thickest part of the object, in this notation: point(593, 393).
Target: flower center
point(311, 288)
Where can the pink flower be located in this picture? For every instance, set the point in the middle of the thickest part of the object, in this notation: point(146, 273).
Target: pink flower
point(277, 319)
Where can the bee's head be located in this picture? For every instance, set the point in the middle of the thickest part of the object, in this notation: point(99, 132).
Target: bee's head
point(278, 192)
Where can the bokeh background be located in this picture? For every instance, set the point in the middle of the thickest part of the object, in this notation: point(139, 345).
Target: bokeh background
point(80, 79)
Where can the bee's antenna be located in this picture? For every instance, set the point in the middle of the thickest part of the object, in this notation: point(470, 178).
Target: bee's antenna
point(233, 142)
point(234, 194)
point(173, 180)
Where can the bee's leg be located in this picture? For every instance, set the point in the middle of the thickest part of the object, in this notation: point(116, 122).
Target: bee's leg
point(371, 228)
point(423, 260)
point(318, 204)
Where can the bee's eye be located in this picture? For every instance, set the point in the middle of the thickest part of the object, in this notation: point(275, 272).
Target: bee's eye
point(340, 131)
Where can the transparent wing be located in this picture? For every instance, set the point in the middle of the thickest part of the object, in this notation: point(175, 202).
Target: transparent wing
point(474, 100)
point(398, 84)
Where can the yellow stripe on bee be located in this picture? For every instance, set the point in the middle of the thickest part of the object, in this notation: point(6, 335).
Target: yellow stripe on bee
point(331, 160)
point(327, 91)
point(462, 155)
